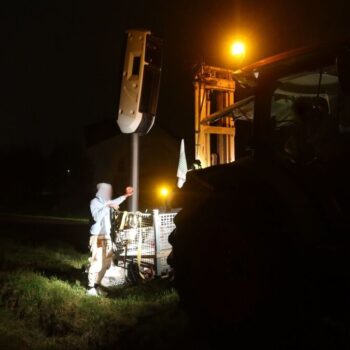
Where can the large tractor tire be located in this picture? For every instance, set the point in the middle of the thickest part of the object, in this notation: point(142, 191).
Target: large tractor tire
point(222, 264)
point(239, 251)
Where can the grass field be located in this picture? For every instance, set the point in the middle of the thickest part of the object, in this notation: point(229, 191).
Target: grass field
point(43, 304)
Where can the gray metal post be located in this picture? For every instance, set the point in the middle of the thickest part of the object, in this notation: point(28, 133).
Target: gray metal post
point(156, 228)
point(134, 202)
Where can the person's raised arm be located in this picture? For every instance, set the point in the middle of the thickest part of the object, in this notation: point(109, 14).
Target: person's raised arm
point(129, 191)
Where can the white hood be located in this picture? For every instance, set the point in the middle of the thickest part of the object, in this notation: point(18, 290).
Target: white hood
point(104, 191)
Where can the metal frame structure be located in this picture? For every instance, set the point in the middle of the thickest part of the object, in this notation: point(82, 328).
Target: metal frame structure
point(142, 238)
point(214, 89)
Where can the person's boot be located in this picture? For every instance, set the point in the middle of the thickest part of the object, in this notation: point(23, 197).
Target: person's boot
point(100, 291)
point(96, 291)
point(92, 291)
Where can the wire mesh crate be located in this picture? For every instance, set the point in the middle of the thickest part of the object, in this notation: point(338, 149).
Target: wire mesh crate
point(142, 239)
point(166, 226)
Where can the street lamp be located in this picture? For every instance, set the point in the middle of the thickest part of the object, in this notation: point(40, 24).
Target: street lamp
point(164, 193)
point(238, 49)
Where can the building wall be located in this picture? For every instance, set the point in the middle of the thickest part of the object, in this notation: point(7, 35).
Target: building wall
point(159, 154)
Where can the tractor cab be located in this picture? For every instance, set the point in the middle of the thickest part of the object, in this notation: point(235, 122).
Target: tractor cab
point(301, 103)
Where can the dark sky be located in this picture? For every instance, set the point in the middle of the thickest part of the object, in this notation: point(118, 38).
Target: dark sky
point(60, 60)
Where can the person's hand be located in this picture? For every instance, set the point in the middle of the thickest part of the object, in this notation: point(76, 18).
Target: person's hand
point(129, 191)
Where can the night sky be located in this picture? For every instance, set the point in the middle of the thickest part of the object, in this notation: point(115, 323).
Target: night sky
point(60, 60)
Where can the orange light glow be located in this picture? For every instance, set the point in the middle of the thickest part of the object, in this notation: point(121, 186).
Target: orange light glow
point(164, 192)
point(238, 48)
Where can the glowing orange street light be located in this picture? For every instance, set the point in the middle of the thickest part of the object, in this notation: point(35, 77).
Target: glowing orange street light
point(164, 192)
point(238, 49)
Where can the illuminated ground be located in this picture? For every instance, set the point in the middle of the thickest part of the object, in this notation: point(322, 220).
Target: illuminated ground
point(44, 306)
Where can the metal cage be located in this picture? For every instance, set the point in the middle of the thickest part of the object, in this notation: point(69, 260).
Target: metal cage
point(142, 239)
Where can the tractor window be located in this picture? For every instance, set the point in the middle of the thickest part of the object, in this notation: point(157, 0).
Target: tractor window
point(305, 111)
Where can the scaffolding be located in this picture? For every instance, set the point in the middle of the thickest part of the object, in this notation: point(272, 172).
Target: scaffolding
point(214, 89)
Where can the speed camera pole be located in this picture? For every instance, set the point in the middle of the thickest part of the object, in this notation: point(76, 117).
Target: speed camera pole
point(134, 203)
point(139, 94)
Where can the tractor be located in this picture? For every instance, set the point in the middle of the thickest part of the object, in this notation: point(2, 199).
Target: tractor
point(262, 245)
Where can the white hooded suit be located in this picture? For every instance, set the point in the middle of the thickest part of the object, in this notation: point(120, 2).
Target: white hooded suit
point(100, 240)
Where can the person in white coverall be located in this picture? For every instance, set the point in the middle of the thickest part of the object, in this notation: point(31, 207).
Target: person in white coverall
point(100, 240)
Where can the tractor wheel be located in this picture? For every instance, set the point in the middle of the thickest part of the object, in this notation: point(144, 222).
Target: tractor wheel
point(230, 263)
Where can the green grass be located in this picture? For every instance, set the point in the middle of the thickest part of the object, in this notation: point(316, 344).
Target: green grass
point(60, 258)
point(34, 216)
point(43, 305)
